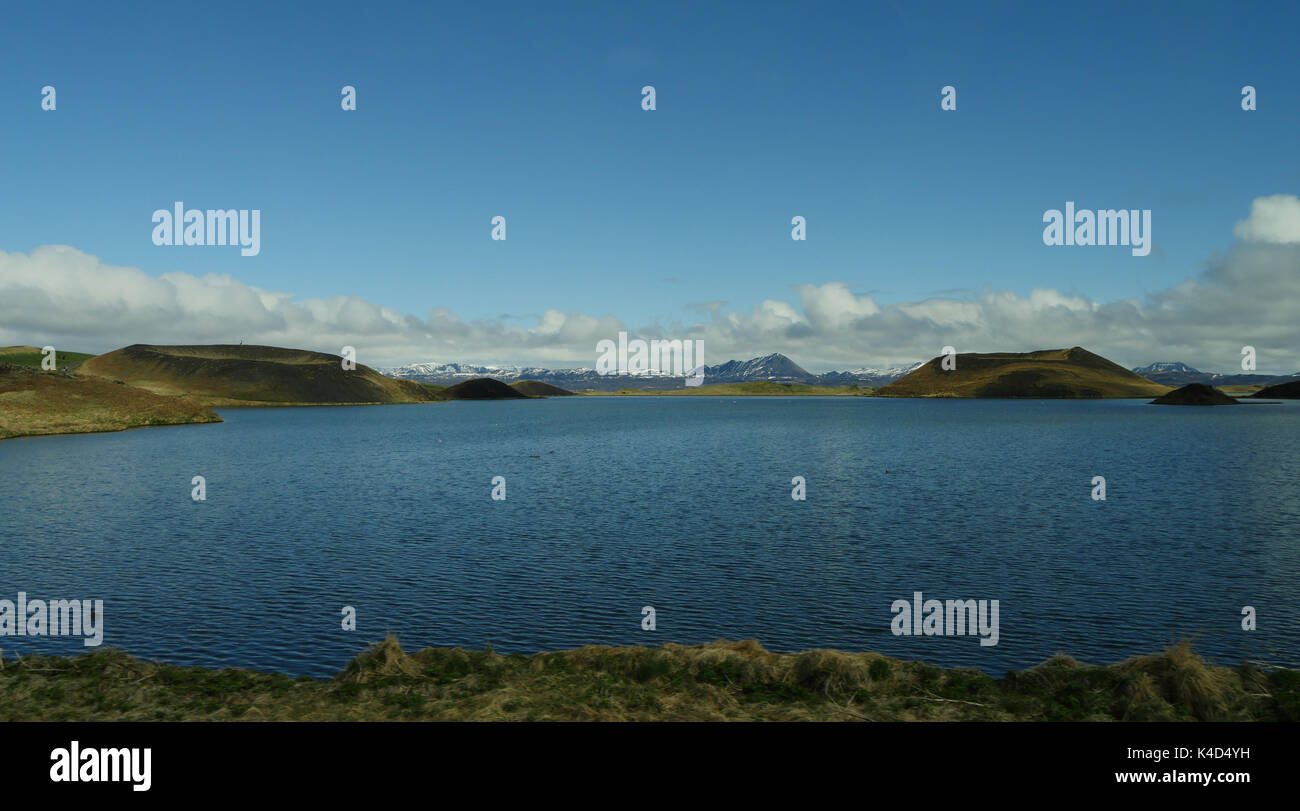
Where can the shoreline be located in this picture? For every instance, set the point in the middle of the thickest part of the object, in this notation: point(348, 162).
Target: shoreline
point(111, 430)
point(710, 682)
point(629, 394)
point(118, 429)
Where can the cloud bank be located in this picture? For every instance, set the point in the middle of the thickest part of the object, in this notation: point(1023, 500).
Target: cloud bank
point(61, 296)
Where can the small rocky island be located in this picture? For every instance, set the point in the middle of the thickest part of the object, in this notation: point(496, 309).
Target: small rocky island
point(1195, 394)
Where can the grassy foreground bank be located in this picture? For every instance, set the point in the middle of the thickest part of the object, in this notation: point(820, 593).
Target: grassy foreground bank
point(35, 403)
point(717, 681)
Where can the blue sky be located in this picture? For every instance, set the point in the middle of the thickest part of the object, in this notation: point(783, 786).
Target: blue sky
point(532, 111)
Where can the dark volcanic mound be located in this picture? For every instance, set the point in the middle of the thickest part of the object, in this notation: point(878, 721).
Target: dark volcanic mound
point(536, 388)
point(482, 388)
point(1289, 391)
point(1195, 394)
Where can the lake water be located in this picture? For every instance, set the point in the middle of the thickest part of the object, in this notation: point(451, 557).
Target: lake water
point(680, 503)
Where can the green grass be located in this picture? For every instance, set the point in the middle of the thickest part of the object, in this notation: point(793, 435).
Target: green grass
point(32, 356)
point(1073, 373)
point(233, 375)
point(33, 403)
point(717, 681)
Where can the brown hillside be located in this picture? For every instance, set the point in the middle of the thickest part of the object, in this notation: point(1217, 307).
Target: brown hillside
point(225, 374)
point(34, 402)
point(1063, 373)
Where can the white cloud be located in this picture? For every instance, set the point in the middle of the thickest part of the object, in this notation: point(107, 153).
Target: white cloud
point(1272, 219)
point(64, 297)
point(61, 296)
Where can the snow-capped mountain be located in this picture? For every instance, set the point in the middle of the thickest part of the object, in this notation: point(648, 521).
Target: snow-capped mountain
point(456, 372)
point(775, 367)
point(1165, 366)
point(872, 377)
point(1173, 373)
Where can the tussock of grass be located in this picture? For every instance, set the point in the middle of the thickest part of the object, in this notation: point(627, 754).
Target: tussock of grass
point(383, 660)
point(718, 681)
point(1180, 680)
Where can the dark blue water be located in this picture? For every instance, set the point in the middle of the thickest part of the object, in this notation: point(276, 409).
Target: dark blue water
point(678, 503)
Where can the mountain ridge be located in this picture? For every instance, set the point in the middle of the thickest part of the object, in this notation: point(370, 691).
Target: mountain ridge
point(774, 367)
point(1177, 373)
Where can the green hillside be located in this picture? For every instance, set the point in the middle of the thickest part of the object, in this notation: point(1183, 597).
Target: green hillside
point(1051, 373)
point(32, 356)
point(234, 375)
point(34, 403)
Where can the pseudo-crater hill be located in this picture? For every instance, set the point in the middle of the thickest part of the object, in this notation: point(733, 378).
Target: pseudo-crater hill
point(1073, 373)
point(247, 375)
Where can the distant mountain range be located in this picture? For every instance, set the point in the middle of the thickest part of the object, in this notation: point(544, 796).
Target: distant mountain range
point(1173, 373)
point(775, 367)
point(1161, 367)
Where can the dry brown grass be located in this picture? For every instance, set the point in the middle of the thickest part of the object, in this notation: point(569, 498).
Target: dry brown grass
point(714, 682)
point(34, 403)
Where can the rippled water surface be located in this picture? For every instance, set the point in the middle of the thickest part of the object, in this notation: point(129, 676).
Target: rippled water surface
point(680, 503)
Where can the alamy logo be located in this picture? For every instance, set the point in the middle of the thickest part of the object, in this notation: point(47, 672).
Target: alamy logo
point(55, 618)
point(955, 618)
point(1101, 227)
point(219, 227)
point(90, 765)
point(654, 358)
